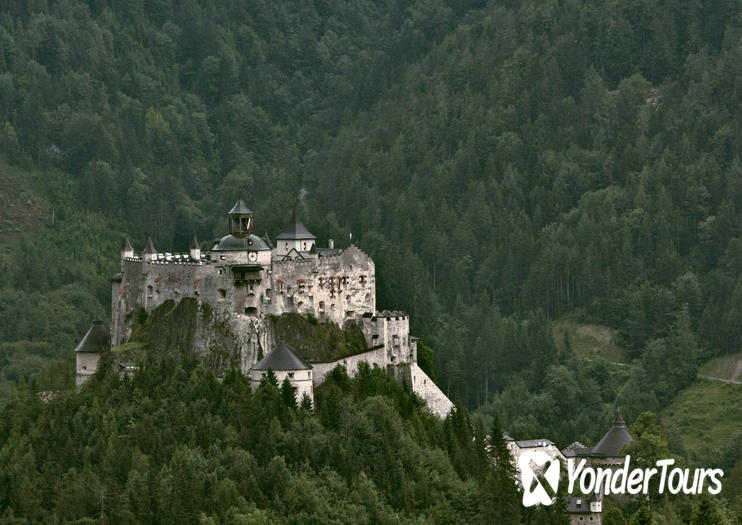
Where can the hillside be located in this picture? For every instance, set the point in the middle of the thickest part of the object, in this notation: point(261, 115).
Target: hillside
point(504, 164)
point(174, 444)
point(703, 421)
point(727, 367)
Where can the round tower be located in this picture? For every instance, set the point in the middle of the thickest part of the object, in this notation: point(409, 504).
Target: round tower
point(96, 341)
point(285, 365)
point(240, 219)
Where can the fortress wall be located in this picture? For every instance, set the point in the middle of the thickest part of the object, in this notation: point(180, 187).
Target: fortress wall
point(150, 284)
point(397, 341)
point(335, 288)
point(373, 357)
point(426, 389)
point(391, 329)
point(293, 287)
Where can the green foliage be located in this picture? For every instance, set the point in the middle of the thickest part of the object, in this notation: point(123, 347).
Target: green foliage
point(706, 513)
point(173, 441)
point(504, 163)
point(318, 341)
point(643, 516)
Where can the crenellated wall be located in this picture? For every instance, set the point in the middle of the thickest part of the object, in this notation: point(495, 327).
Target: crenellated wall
point(334, 288)
point(338, 286)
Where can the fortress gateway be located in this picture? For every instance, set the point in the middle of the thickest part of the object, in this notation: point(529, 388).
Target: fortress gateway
point(245, 281)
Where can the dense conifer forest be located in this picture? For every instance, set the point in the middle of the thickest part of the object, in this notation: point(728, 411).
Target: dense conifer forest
point(506, 165)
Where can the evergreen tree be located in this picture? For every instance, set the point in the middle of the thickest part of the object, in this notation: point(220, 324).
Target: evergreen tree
point(643, 516)
point(287, 394)
point(706, 513)
point(501, 499)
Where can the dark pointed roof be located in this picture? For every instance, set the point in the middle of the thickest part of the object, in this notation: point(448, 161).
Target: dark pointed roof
point(295, 230)
point(281, 359)
point(614, 440)
point(267, 240)
point(195, 243)
point(97, 339)
point(239, 207)
point(150, 248)
point(126, 246)
point(230, 243)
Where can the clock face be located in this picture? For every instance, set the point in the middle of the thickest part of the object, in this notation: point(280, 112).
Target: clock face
point(252, 256)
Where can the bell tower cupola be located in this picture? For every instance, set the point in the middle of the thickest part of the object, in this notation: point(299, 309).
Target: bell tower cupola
point(240, 220)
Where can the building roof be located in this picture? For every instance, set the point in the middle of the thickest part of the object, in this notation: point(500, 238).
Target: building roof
point(328, 252)
point(295, 230)
point(533, 443)
point(126, 246)
point(230, 243)
point(195, 245)
point(576, 449)
point(117, 277)
point(239, 208)
point(96, 340)
point(150, 248)
point(614, 440)
point(281, 359)
point(267, 240)
point(580, 505)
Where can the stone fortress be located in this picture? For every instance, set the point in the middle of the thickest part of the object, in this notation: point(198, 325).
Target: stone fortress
point(245, 279)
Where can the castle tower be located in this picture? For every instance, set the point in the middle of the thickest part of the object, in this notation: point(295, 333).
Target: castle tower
point(150, 252)
point(240, 219)
point(284, 364)
point(294, 237)
point(96, 341)
point(126, 249)
point(613, 441)
point(195, 249)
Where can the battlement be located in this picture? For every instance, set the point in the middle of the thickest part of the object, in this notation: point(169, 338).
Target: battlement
point(167, 258)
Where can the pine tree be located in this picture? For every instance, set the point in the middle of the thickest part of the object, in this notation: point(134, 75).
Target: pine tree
point(306, 403)
point(643, 516)
point(500, 498)
point(287, 394)
point(706, 513)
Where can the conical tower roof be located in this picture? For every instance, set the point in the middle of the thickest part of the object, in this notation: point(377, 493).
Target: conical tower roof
point(96, 340)
point(195, 245)
point(295, 230)
point(239, 208)
point(614, 440)
point(281, 359)
point(150, 248)
point(126, 246)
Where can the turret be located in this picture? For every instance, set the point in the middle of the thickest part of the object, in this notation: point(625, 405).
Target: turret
point(285, 365)
point(150, 252)
point(240, 219)
point(126, 249)
point(295, 236)
point(87, 354)
point(195, 249)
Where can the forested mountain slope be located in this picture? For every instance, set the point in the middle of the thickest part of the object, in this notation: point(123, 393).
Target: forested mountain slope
point(505, 163)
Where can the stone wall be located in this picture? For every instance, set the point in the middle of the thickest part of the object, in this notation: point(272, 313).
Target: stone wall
point(86, 365)
point(301, 380)
point(335, 288)
point(373, 358)
point(426, 389)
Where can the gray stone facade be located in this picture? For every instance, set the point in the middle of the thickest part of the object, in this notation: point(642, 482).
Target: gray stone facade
point(244, 280)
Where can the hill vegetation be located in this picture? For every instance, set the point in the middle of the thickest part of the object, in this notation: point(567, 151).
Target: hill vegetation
point(173, 444)
point(506, 164)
